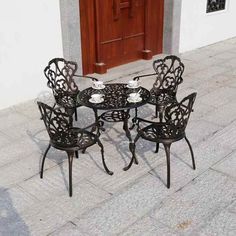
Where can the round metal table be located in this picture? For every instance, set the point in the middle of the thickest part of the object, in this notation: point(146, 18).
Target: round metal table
point(116, 106)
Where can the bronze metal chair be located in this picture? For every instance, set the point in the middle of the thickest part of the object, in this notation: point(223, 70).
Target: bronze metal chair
point(60, 74)
point(168, 73)
point(67, 138)
point(171, 130)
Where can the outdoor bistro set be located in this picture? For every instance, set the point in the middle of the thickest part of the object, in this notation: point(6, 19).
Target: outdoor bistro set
point(112, 102)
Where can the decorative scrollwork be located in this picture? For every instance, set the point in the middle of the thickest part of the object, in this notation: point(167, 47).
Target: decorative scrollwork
point(169, 74)
point(115, 116)
point(115, 97)
point(59, 127)
point(162, 98)
point(60, 73)
point(176, 119)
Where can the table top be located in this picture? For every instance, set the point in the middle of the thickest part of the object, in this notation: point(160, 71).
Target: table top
point(115, 97)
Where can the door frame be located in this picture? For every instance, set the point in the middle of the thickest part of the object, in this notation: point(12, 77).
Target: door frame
point(90, 32)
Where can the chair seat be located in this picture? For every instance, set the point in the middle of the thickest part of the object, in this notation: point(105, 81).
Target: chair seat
point(161, 99)
point(68, 101)
point(73, 140)
point(161, 133)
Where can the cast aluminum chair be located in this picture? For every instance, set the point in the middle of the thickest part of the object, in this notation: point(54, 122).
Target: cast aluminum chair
point(60, 74)
point(168, 73)
point(171, 130)
point(67, 138)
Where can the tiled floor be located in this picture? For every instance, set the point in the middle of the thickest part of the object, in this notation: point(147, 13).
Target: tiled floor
point(136, 202)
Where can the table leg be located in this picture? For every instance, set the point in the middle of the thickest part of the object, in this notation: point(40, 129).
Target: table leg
point(96, 120)
point(131, 144)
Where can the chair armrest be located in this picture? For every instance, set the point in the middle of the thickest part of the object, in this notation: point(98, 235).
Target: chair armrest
point(88, 77)
point(148, 121)
point(141, 76)
point(94, 125)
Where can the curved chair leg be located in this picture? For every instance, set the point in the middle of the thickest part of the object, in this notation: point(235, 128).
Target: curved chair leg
point(44, 156)
point(76, 117)
point(191, 150)
point(77, 154)
point(103, 159)
point(167, 149)
point(156, 112)
point(157, 148)
point(161, 116)
point(70, 161)
point(133, 159)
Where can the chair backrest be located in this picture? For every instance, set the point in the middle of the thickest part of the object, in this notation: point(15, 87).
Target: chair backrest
point(177, 115)
point(169, 74)
point(59, 73)
point(58, 124)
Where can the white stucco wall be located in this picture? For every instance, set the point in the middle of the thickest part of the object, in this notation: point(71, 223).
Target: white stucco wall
point(30, 35)
point(198, 28)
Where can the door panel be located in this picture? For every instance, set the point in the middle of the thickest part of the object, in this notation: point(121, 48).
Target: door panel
point(121, 30)
point(124, 30)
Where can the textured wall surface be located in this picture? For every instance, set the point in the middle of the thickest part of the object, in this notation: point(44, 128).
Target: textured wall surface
point(171, 34)
point(71, 31)
point(30, 35)
point(199, 28)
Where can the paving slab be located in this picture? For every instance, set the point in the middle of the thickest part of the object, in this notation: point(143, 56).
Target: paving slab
point(29, 109)
point(223, 115)
point(227, 136)
point(188, 209)
point(30, 130)
point(55, 180)
point(11, 119)
point(4, 140)
point(222, 224)
point(206, 153)
point(122, 178)
point(197, 131)
point(12, 203)
point(219, 97)
point(17, 150)
point(20, 170)
point(123, 209)
point(45, 217)
point(227, 166)
point(148, 226)
point(68, 229)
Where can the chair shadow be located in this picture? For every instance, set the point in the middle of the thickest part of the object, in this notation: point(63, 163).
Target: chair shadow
point(52, 153)
point(179, 158)
point(122, 150)
point(11, 222)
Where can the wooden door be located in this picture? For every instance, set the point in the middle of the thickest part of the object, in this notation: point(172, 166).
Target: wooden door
point(115, 32)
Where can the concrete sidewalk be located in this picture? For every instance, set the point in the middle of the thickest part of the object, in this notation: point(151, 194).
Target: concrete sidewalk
point(136, 202)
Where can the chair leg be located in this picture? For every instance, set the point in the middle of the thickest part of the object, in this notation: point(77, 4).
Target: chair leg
point(134, 119)
point(191, 150)
point(156, 112)
point(103, 159)
point(167, 149)
point(157, 148)
point(77, 154)
point(161, 116)
point(76, 117)
point(134, 158)
point(44, 156)
point(70, 161)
